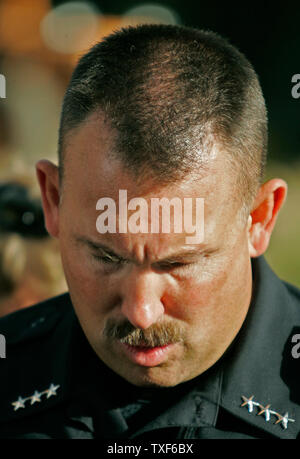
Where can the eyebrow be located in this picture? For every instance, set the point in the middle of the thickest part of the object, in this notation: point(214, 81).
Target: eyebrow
point(96, 245)
point(185, 255)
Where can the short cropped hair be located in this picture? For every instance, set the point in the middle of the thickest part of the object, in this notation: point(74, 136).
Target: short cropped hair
point(171, 93)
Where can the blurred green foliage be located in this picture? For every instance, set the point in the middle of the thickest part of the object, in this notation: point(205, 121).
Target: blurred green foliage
point(283, 253)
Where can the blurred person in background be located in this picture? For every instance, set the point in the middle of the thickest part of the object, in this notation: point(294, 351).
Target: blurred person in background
point(30, 263)
point(30, 266)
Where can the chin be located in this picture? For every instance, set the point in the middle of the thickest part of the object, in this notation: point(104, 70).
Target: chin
point(167, 374)
point(155, 377)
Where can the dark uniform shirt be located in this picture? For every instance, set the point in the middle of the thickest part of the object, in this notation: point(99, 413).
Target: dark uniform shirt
point(53, 385)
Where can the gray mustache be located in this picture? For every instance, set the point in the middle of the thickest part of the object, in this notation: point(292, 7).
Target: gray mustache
point(156, 335)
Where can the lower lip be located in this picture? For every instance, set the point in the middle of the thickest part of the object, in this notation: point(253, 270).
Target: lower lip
point(147, 357)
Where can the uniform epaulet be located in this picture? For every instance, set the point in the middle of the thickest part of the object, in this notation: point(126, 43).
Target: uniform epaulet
point(34, 321)
point(33, 369)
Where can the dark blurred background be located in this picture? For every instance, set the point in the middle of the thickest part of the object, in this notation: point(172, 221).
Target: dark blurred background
point(41, 40)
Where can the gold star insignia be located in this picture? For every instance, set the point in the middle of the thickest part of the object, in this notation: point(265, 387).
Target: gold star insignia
point(284, 420)
point(52, 390)
point(266, 410)
point(249, 402)
point(20, 403)
point(36, 397)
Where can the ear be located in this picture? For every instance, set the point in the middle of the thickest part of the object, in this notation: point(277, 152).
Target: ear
point(269, 200)
point(48, 177)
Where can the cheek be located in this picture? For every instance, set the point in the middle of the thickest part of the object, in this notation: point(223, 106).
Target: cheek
point(203, 297)
point(92, 293)
point(206, 297)
point(80, 275)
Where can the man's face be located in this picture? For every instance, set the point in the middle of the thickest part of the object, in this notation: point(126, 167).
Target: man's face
point(191, 298)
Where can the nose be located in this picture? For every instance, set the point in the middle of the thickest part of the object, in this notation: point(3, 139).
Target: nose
point(142, 298)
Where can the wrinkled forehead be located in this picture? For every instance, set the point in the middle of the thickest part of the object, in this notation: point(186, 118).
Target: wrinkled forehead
point(94, 171)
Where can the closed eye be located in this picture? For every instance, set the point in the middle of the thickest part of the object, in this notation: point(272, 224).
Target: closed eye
point(108, 259)
point(168, 266)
